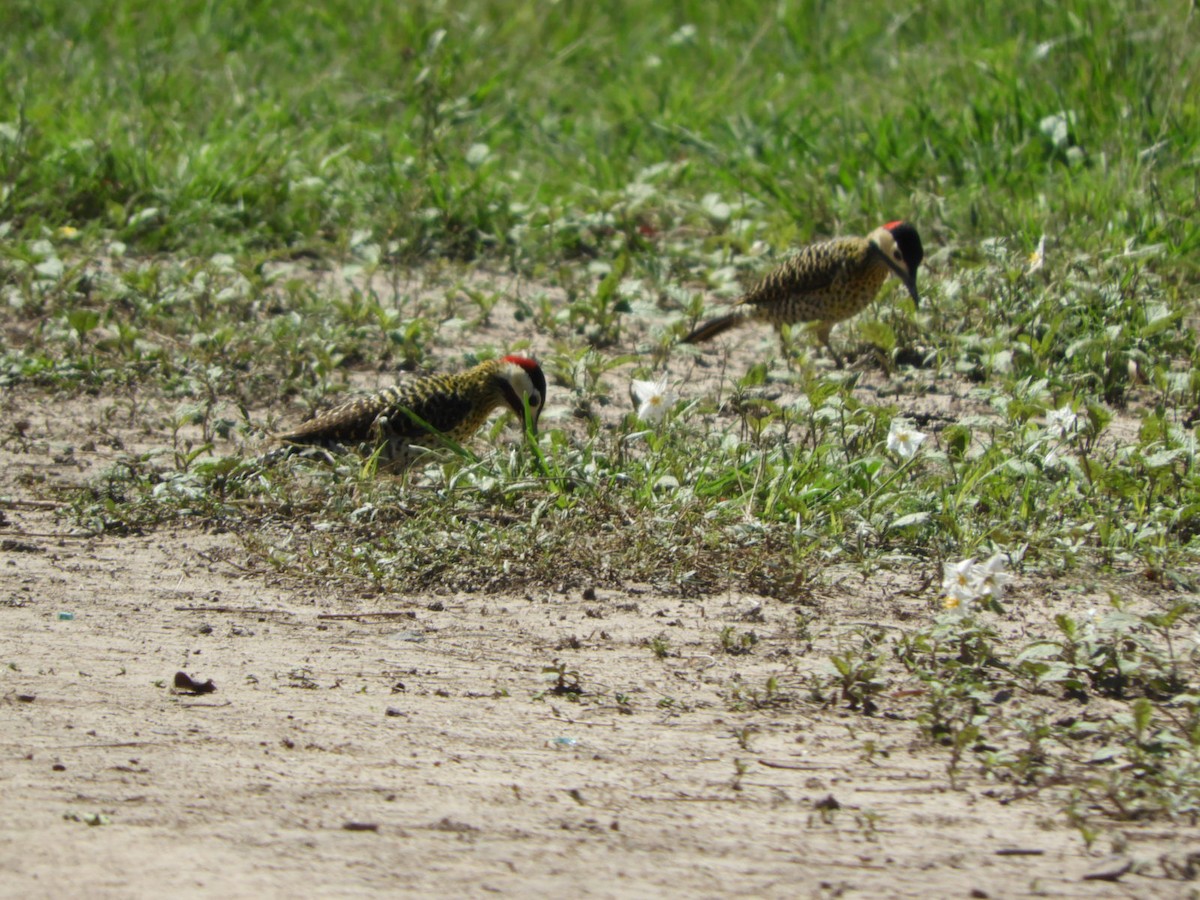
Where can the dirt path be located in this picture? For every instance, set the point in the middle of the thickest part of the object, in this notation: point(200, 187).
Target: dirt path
point(421, 749)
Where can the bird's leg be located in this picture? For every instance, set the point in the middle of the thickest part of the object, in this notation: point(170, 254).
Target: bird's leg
point(823, 331)
point(885, 362)
point(785, 345)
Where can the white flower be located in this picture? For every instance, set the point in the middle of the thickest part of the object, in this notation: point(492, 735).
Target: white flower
point(965, 582)
point(1037, 258)
point(903, 439)
point(685, 35)
point(958, 582)
point(477, 155)
point(1061, 422)
point(1057, 128)
point(990, 577)
point(651, 398)
point(716, 209)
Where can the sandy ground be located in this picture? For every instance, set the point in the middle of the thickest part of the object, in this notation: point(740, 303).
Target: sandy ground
point(411, 745)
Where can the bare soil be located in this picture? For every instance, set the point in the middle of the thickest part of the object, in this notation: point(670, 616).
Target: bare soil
point(413, 745)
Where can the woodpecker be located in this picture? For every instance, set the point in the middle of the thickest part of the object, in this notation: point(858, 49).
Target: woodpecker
point(398, 420)
point(826, 283)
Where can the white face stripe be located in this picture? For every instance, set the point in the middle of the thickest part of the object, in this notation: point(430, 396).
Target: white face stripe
point(882, 238)
point(520, 381)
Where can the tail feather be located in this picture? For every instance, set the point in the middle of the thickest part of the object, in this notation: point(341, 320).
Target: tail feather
point(713, 327)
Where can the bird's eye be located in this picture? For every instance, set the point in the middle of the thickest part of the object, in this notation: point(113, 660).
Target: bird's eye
point(897, 256)
point(535, 399)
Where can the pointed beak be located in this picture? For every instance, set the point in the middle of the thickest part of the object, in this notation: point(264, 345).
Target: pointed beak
point(909, 280)
point(535, 413)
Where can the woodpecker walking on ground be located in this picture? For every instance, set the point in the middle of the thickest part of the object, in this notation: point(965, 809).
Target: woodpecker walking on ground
point(826, 283)
point(415, 415)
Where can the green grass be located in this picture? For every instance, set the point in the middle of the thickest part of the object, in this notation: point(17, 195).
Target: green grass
point(286, 128)
point(631, 161)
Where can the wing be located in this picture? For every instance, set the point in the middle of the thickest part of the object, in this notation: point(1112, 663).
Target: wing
point(349, 422)
point(812, 269)
point(432, 400)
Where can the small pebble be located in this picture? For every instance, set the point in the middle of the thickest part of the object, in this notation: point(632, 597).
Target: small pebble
point(1110, 869)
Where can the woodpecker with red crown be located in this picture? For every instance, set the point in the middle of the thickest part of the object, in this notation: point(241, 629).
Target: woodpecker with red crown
point(826, 282)
point(404, 421)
